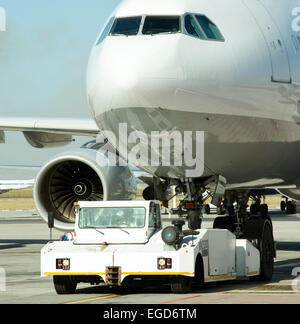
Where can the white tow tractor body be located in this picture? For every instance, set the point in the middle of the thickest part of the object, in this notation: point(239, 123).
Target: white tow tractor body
point(122, 242)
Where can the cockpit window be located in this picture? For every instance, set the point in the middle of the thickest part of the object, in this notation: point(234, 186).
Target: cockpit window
point(106, 30)
point(126, 26)
point(161, 24)
point(197, 25)
point(209, 28)
point(192, 27)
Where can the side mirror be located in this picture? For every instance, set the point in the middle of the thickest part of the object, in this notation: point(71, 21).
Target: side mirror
point(50, 220)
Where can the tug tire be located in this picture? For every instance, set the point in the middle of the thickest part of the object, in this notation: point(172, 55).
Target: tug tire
point(64, 285)
point(181, 284)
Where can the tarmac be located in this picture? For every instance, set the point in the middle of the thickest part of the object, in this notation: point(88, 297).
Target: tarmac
point(23, 234)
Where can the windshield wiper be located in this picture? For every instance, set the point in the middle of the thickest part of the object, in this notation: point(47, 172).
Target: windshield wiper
point(119, 229)
point(119, 35)
point(94, 228)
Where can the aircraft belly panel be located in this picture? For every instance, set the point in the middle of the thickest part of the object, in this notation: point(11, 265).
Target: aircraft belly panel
point(265, 149)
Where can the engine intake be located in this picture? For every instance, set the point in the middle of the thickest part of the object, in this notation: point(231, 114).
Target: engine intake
point(77, 176)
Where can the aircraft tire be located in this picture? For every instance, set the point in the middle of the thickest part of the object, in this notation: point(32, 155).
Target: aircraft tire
point(254, 209)
point(282, 205)
point(264, 210)
point(225, 222)
point(194, 219)
point(290, 208)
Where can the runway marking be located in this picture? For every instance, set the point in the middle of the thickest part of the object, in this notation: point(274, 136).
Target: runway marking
point(259, 292)
point(91, 299)
point(270, 288)
point(180, 299)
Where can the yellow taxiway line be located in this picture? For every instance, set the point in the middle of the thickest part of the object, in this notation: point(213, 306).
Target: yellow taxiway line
point(91, 299)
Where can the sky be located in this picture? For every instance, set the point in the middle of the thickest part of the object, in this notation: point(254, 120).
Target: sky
point(43, 57)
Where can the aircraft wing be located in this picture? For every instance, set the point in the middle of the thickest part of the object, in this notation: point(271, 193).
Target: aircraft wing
point(49, 132)
point(64, 126)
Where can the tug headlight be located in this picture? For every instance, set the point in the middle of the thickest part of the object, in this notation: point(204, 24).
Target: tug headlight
point(164, 263)
point(63, 264)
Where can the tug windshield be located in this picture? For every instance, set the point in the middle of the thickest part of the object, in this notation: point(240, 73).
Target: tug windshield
point(108, 217)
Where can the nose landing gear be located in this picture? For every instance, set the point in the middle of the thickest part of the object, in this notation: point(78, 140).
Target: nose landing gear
point(193, 201)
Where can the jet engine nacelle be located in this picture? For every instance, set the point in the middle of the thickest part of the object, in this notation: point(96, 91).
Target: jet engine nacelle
point(75, 176)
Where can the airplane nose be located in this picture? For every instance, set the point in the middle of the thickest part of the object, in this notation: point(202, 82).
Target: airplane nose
point(123, 70)
point(134, 72)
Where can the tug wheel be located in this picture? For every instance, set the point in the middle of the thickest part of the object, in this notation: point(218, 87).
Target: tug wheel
point(225, 222)
point(266, 249)
point(64, 285)
point(267, 254)
point(199, 271)
point(181, 285)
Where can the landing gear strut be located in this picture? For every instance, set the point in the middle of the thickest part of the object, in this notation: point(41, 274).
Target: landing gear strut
point(191, 205)
point(238, 216)
point(193, 201)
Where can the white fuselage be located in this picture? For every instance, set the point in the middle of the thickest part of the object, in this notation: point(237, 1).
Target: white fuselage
point(243, 92)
